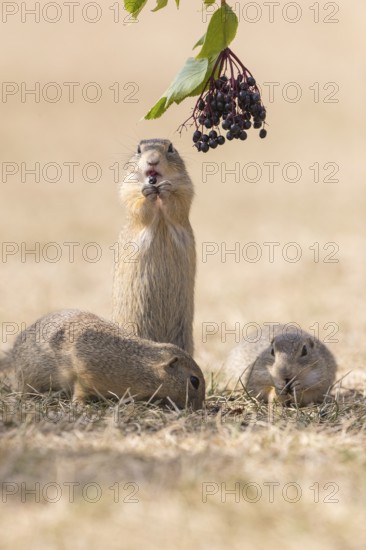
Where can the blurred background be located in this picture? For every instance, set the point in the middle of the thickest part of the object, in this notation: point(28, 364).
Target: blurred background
point(303, 184)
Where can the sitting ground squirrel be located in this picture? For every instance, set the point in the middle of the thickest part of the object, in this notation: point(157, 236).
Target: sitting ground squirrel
point(154, 289)
point(294, 367)
point(84, 355)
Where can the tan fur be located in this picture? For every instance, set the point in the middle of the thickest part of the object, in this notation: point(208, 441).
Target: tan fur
point(154, 289)
point(275, 367)
point(84, 355)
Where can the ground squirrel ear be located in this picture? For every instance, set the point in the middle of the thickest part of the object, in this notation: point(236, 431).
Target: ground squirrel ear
point(172, 362)
point(311, 342)
point(304, 351)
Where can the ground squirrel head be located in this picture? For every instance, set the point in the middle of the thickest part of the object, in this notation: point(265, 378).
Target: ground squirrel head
point(158, 158)
point(297, 365)
point(156, 175)
point(179, 371)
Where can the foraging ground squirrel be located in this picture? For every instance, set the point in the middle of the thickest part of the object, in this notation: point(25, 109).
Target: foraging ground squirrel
point(154, 289)
point(84, 355)
point(293, 367)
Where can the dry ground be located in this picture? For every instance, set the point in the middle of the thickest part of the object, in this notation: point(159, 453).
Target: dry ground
point(298, 476)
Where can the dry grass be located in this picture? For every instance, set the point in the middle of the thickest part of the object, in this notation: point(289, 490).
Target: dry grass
point(130, 474)
point(169, 456)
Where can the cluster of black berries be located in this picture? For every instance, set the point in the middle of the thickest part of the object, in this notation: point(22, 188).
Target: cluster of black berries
point(204, 141)
point(231, 99)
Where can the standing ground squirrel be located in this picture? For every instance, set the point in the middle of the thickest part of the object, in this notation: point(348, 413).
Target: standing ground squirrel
point(84, 355)
point(154, 289)
point(293, 367)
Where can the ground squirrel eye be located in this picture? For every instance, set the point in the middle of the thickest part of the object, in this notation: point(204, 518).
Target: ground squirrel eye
point(272, 352)
point(195, 382)
point(138, 150)
point(171, 148)
point(304, 351)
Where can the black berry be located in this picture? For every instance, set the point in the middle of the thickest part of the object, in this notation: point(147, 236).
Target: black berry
point(231, 100)
point(197, 136)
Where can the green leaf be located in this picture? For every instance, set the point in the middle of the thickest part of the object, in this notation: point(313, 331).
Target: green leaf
point(157, 110)
point(221, 31)
point(134, 6)
point(199, 42)
point(160, 4)
point(191, 77)
point(177, 2)
point(208, 2)
point(200, 87)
